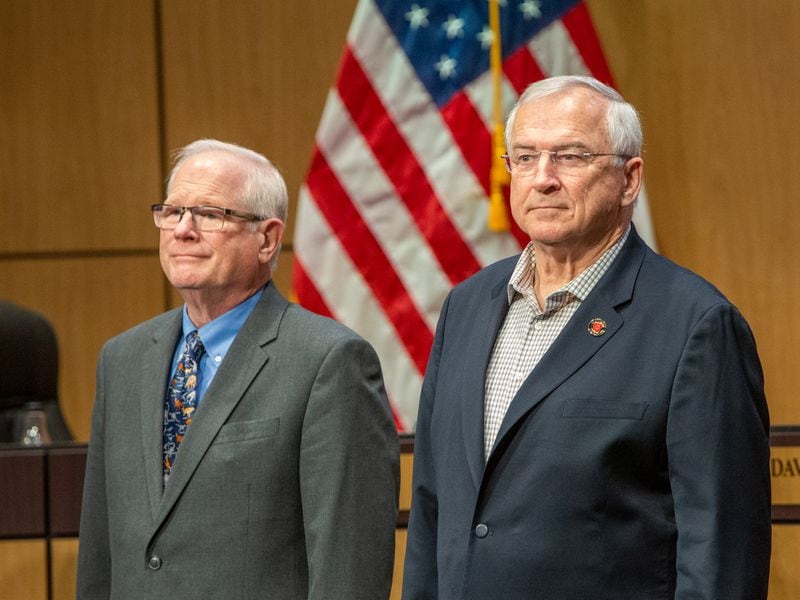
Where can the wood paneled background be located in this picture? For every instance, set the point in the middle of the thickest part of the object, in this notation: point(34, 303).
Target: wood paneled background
point(94, 96)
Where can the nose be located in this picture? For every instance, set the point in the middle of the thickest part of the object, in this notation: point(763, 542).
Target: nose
point(545, 176)
point(185, 226)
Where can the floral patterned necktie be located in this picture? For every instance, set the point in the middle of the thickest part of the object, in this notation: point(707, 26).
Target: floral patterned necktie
point(181, 399)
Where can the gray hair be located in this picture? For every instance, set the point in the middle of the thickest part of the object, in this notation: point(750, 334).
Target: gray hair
point(622, 119)
point(264, 191)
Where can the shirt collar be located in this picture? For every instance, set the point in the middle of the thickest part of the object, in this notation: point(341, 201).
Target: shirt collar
point(522, 278)
point(218, 335)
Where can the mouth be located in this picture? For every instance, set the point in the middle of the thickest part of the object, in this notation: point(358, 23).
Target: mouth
point(186, 257)
point(547, 207)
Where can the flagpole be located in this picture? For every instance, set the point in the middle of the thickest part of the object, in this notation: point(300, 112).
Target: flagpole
point(498, 215)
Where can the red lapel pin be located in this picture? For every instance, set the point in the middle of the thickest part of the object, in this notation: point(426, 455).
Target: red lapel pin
point(597, 327)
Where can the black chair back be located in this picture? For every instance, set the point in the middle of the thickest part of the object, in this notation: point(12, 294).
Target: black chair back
point(28, 372)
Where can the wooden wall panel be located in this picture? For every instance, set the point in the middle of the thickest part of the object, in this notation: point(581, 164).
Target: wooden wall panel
point(23, 570)
point(80, 162)
point(784, 582)
point(88, 300)
point(252, 72)
point(63, 568)
point(718, 104)
point(401, 535)
point(406, 473)
point(78, 119)
point(283, 275)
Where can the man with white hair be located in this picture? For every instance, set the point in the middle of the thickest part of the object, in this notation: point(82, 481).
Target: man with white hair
point(241, 446)
point(592, 422)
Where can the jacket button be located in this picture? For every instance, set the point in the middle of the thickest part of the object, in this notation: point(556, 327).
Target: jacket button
point(481, 530)
point(154, 563)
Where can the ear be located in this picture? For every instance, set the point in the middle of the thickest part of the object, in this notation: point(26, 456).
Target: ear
point(634, 173)
point(272, 230)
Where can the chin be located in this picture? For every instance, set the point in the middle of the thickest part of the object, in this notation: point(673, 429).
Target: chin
point(545, 233)
point(184, 281)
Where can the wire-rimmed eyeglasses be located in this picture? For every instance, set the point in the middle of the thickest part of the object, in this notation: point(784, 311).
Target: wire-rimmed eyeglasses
point(569, 160)
point(204, 218)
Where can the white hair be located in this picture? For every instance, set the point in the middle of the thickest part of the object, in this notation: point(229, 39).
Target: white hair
point(622, 119)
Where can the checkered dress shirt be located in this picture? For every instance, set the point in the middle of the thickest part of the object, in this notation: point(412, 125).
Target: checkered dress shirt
point(528, 331)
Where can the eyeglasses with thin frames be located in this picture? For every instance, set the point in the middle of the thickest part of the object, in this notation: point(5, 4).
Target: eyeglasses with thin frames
point(204, 218)
point(565, 161)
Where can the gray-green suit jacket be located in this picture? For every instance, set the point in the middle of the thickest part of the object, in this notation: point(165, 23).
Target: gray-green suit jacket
point(285, 485)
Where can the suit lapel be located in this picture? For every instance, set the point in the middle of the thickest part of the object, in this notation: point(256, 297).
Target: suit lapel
point(156, 363)
point(489, 318)
point(575, 345)
point(246, 357)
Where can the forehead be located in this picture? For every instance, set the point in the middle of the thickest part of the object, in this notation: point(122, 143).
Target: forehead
point(576, 115)
point(216, 176)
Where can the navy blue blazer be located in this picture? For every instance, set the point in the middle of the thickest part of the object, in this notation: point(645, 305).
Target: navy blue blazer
point(633, 464)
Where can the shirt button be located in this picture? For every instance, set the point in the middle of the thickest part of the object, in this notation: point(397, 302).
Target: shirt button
point(481, 530)
point(218, 359)
point(154, 563)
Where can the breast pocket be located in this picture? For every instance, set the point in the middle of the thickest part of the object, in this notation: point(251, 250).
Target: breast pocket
point(247, 430)
point(577, 408)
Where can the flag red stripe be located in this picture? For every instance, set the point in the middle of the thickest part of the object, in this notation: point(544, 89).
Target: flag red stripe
point(307, 293)
point(521, 69)
point(578, 23)
point(471, 135)
point(369, 258)
point(404, 171)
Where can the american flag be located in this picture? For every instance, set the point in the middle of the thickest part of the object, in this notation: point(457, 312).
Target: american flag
point(393, 212)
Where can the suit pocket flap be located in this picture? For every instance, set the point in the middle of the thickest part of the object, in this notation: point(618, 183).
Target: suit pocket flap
point(247, 430)
point(603, 409)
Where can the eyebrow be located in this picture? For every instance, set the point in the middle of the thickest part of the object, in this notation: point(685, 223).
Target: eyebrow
point(181, 199)
point(556, 148)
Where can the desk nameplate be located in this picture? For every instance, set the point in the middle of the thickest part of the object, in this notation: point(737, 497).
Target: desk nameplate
point(784, 463)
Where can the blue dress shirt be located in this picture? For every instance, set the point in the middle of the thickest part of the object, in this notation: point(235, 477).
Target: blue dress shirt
point(217, 337)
